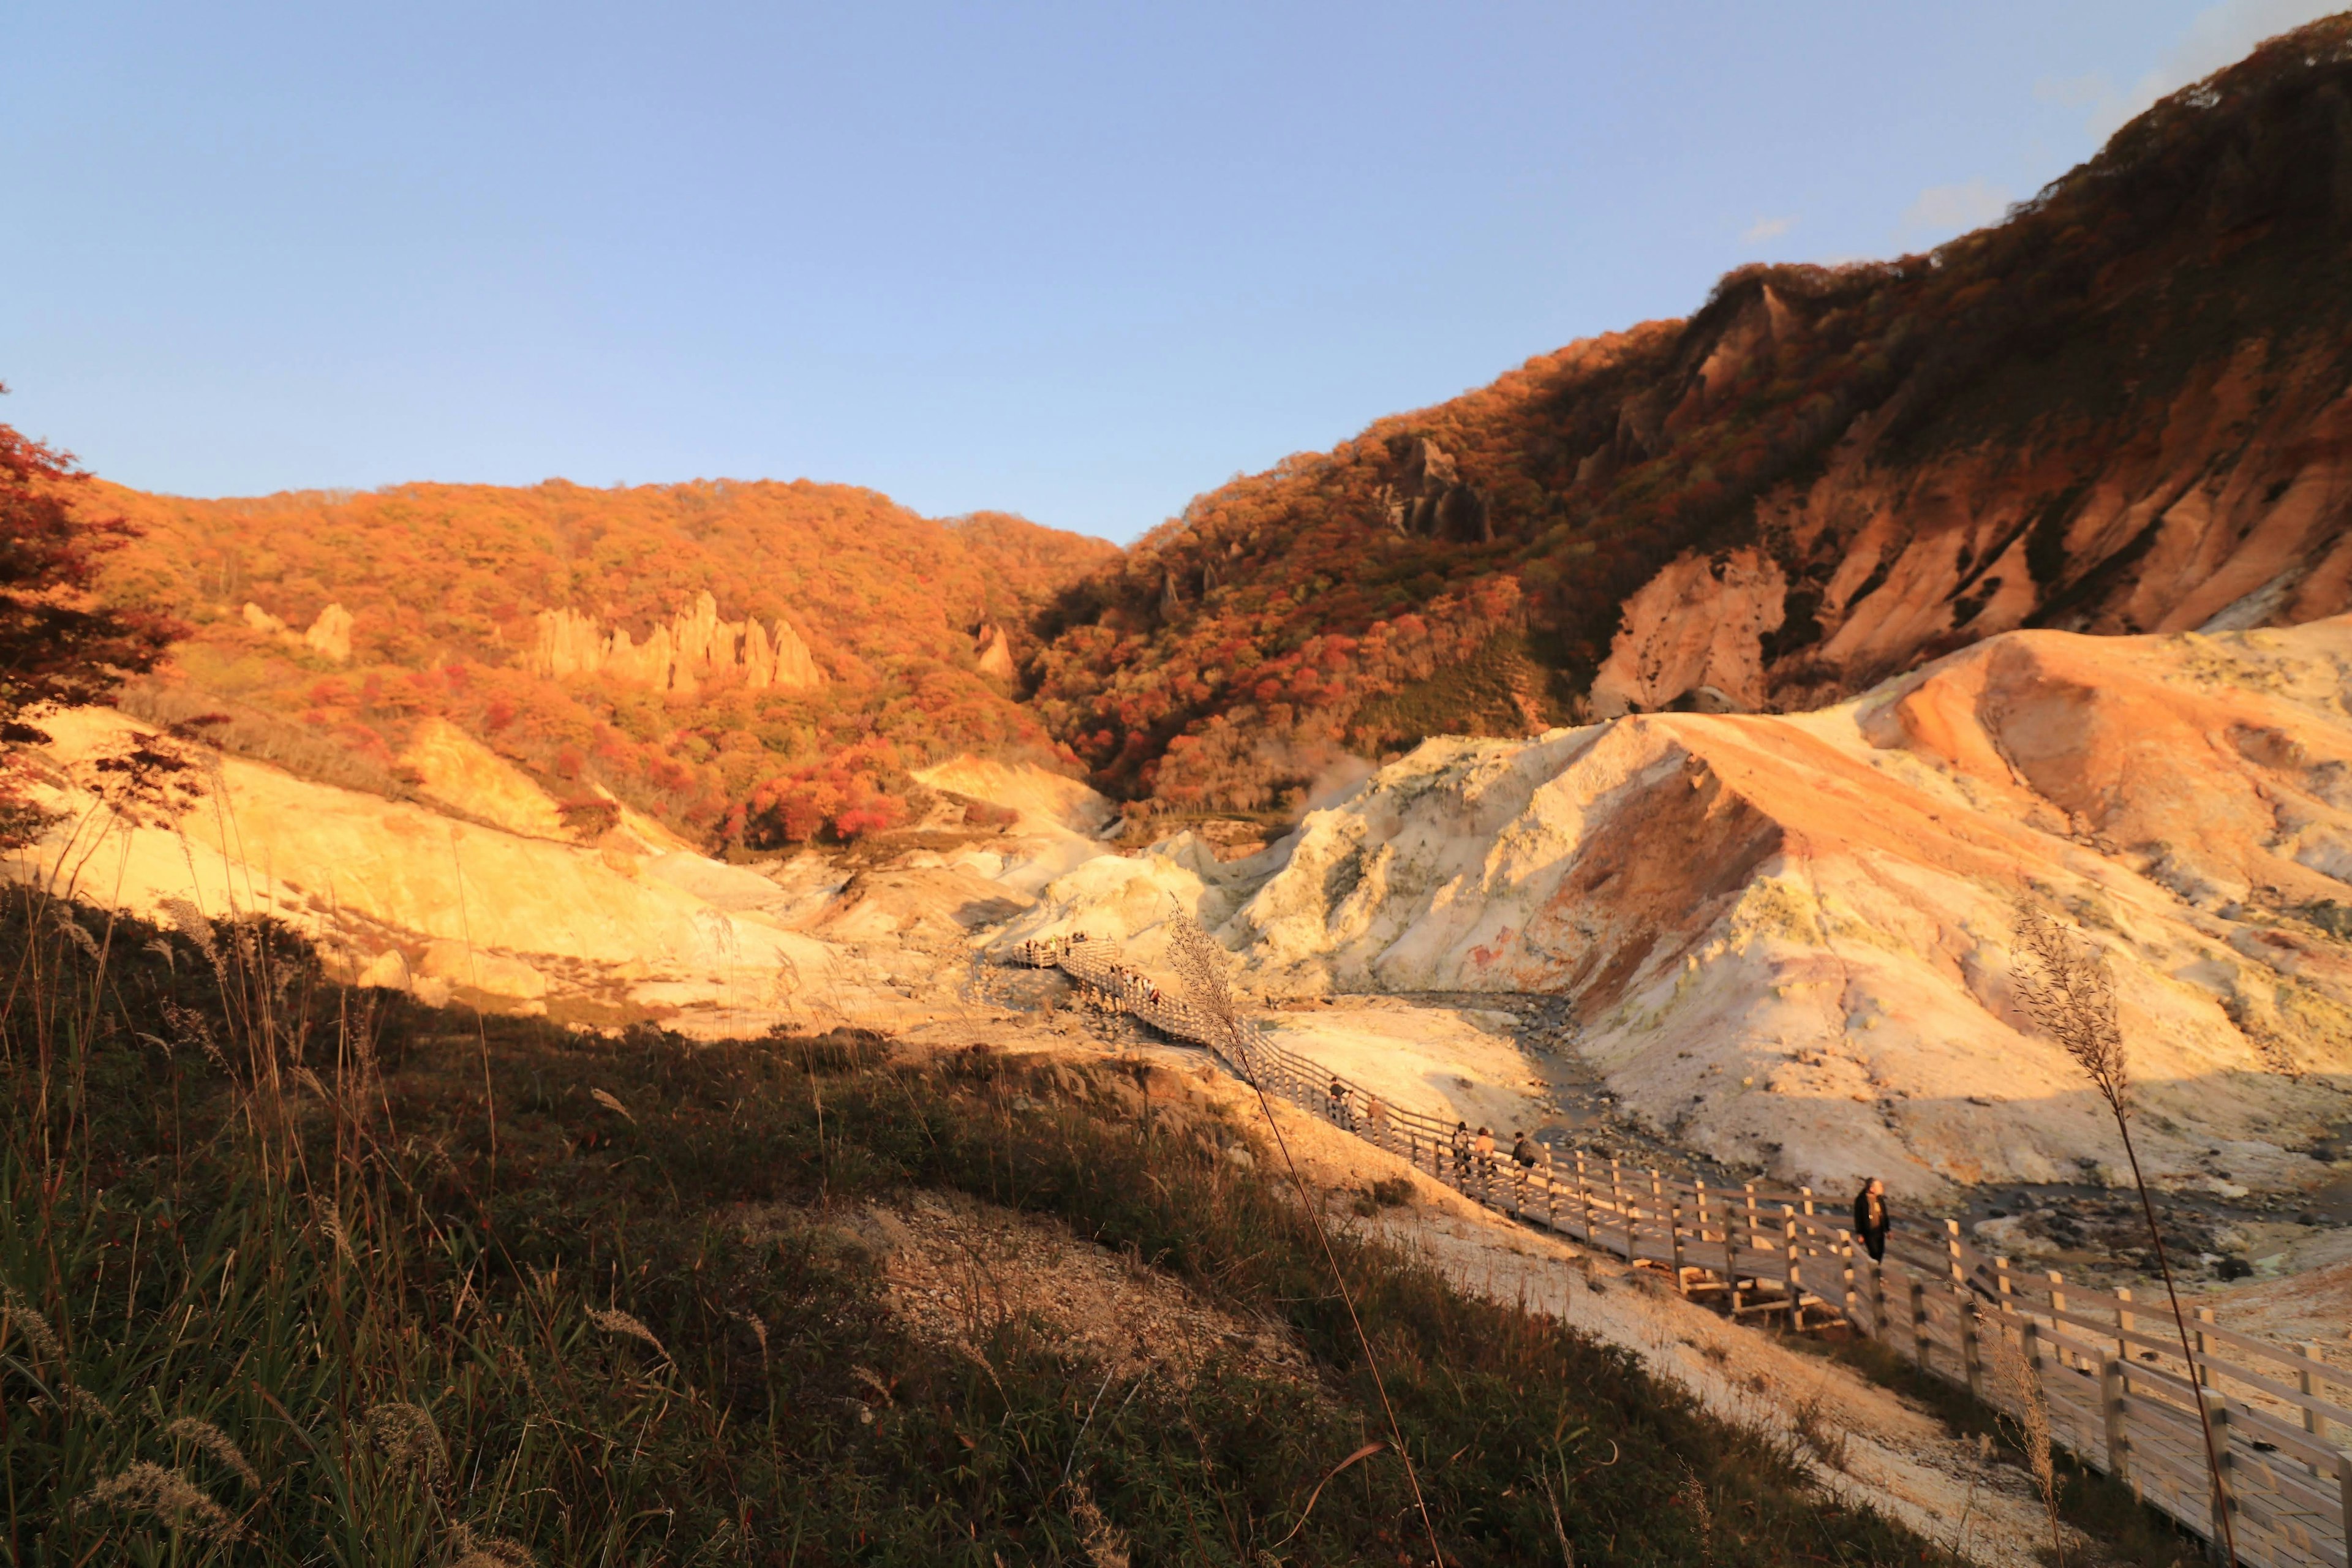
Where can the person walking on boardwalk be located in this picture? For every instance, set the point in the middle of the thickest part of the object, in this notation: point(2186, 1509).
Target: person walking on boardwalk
point(1343, 1108)
point(1377, 1114)
point(1482, 1151)
point(1461, 1150)
point(1870, 1219)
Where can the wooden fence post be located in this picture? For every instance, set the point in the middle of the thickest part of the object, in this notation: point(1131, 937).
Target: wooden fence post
point(1583, 1197)
point(2058, 1311)
point(1971, 1352)
point(2200, 1375)
point(2029, 1337)
point(1617, 1200)
point(2304, 1380)
point(1675, 1233)
point(2217, 1411)
point(1877, 1300)
point(1793, 1280)
point(2111, 1411)
point(2344, 1492)
point(2124, 1325)
point(1845, 1253)
point(1918, 1322)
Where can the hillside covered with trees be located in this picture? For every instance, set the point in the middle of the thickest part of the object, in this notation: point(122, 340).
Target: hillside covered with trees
point(2121, 409)
point(443, 591)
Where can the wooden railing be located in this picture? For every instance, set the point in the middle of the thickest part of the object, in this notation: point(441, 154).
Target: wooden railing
point(2108, 1368)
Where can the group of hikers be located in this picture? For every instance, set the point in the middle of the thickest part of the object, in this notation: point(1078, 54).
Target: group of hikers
point(1045, 952)
point(1471, 1158)
point(1472, 1154)
point(1124, 987)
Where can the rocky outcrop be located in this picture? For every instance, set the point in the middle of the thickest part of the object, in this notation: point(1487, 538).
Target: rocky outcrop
point(693, 648)
point(453, 770)
point(1427, 496)
point(993, 653)
point(329, 636)
point(1693, 638)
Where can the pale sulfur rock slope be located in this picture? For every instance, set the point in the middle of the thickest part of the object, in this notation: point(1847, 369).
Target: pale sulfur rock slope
point(407, 897)
point(479, 887)
point(1786, 937)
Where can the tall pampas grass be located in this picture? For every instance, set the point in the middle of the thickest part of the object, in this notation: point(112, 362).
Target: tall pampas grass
point(2067, 986)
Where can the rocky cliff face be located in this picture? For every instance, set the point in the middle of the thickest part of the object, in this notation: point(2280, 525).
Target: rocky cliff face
point(2122, 409)
point(2227, 509)
point(693, 648)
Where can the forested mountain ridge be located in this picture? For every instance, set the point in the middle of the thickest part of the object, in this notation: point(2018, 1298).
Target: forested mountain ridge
point(2122, 409)
point(448, 600)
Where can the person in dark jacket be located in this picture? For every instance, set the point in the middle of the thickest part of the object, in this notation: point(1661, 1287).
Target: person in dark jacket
point(1870, 1217)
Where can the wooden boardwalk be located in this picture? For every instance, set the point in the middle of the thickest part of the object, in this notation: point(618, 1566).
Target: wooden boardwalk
point(2109, 1367)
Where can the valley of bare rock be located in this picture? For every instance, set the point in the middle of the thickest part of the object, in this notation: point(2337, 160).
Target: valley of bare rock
point(1774, 944)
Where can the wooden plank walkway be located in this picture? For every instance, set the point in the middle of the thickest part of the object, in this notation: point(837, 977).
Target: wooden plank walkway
point(2110, 1370)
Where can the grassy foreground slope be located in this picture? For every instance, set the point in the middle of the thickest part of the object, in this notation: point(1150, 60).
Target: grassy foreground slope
point(295, 1274)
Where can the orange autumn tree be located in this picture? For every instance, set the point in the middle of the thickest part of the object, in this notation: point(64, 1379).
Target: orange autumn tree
point(59, 644)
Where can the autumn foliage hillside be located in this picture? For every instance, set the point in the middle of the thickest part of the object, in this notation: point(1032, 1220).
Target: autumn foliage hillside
point(444, 586)
point(2095, 415)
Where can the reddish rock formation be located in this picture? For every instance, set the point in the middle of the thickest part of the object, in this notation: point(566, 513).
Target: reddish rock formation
point(2229, 512)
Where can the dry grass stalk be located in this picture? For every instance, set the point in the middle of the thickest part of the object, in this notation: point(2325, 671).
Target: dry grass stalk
point(407, 1436)
point(468, 1550)
point(1820, 1435)
point(2012, 1376)
point(331, 1222)
point(1106, 1545)
point(147, 1487)
point(2066, 986)
point(206, 1437)
point(1692, 1495)
point(1200, 967)
point(190, 922)
point(81, 937)
point(759, 1331)
point(39, 1338)
point(614, 1322)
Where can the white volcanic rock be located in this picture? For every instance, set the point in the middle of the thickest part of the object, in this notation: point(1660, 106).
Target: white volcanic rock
point(1785, 938)
point(400, 895)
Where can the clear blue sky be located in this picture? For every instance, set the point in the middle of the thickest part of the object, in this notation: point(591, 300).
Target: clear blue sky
point(1075, 261)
